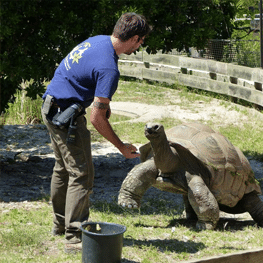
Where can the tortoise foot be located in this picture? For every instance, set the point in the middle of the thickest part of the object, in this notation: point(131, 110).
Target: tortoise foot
point(202, 225)
point(128, 200)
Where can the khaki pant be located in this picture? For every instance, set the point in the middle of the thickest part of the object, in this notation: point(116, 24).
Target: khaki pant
point(72, 179)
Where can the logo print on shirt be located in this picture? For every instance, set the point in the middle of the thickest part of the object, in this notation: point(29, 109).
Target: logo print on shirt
point(76, 54)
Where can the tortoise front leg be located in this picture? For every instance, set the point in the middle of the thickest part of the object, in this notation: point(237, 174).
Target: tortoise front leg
point(136, 183)
point(189, 211)
point(203, 203)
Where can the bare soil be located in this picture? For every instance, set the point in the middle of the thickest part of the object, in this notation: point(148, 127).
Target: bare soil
point(26, 157)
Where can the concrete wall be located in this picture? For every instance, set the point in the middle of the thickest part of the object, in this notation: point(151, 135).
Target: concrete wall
point(224, 78)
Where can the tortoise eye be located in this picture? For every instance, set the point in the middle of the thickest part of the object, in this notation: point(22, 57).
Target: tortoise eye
point(156, 127)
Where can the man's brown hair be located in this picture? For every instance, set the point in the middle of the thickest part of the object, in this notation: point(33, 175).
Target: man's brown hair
point(129, 25)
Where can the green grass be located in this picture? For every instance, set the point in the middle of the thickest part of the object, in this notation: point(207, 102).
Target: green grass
point(160, 236)
point(157, 93)
point(155, 233)
point(25, 236)
point(246, 138)
point(137, 134)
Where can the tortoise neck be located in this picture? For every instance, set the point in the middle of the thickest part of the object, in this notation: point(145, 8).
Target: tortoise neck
point(165, 157)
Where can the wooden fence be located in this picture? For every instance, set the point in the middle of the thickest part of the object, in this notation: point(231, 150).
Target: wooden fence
point(236, 81)
point(248, 256)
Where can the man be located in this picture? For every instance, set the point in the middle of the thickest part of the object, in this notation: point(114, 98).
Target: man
point(88, 74)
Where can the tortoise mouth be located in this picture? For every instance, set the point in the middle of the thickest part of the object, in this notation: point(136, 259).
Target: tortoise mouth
point(149, 134)
point(152, 130)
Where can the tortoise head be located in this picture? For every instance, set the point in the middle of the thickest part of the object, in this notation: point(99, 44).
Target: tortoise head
point(154, 131)
point(165, 157)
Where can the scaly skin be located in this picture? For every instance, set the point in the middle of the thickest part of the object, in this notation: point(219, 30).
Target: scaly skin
point(198, 199)
point(254, 205)
point(138, 180)
point(204, 204)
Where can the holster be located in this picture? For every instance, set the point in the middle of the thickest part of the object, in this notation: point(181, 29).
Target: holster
point(61, 119)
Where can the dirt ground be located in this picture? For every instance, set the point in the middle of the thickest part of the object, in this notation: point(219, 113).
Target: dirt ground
point(26, 158)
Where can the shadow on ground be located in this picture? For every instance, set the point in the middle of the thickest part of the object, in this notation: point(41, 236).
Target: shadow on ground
point(171, 245)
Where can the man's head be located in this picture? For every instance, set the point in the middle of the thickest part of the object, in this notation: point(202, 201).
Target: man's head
point(130, 25)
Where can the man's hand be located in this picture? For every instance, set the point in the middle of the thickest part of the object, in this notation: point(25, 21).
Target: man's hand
point(129, 151)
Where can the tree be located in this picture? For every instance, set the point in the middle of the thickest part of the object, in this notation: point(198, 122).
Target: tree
point(37, 34)
point(246, 10)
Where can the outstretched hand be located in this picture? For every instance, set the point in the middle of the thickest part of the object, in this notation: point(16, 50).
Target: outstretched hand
point(129, 151)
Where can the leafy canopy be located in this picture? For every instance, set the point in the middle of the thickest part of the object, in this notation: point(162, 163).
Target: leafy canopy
point(37, 34)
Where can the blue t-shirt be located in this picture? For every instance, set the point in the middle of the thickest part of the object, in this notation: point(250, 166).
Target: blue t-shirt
point(89, 70)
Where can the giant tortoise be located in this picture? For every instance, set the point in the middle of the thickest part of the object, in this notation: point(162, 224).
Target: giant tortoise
point(202, 165)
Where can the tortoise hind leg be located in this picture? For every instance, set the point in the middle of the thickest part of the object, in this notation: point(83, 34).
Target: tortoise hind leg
point(137, 182)
point(254, 205)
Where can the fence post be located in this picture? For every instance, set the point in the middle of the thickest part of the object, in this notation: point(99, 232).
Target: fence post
point(261, 34)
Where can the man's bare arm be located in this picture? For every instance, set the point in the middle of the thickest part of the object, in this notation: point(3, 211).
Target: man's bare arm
point(99, 118)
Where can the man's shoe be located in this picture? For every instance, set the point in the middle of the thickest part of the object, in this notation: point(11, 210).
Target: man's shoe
point(73, 248)
point(58, 231)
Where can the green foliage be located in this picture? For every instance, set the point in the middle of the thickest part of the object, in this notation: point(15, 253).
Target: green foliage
point(37, 35)
point(248, 53)
point(185, 23)
point(246, 10)
point(244, 52)
point(244, 41)
point(23, 110)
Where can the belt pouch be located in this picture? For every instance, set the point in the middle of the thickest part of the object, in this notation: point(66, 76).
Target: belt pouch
point(47, 104)
point(71, 138)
